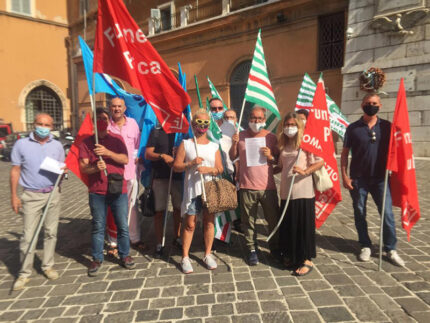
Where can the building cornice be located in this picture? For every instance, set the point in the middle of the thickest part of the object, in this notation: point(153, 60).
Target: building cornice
point(29, 18)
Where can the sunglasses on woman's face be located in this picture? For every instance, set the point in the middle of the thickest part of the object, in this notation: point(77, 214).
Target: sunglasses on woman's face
point(202, 122)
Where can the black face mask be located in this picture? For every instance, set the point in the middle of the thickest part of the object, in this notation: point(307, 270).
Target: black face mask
point(370, 109)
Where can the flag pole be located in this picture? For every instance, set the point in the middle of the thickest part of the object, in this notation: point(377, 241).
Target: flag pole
point(194, 137)
point(166, 209)
point(381, 230)
point(198, 92)
point(241, 114)
point(286, 202)
point(93, 106)
point(39, 226)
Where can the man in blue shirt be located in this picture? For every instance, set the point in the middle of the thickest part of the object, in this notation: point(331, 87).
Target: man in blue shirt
point(368, 139)
point(27, 156)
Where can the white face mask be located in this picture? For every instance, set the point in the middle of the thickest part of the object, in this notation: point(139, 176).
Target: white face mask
point(256, 127)
point(290, 132)
point(231, 122)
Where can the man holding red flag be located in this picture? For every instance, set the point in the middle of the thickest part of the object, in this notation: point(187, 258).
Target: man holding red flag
point(368, 140)
point(122, 50)
point(401, 162)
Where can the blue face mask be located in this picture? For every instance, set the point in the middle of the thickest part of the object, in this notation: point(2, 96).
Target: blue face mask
point(217, 115)
point(42, 132)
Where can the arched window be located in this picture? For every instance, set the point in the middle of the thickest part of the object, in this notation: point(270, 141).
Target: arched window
point(238, 80)
point(42, 99)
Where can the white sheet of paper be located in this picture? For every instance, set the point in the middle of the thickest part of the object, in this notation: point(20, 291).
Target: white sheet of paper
point(51, 165)
point(253, 155)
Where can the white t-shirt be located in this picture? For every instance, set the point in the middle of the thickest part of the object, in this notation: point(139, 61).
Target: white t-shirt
point(192, 182)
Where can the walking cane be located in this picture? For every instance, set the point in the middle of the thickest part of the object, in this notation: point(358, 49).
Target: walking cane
point(381, 230)
point(166, 209)
point(39, 226)
point(286, 202)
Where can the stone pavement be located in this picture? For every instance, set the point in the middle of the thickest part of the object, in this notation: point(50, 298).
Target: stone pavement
point(340, 288)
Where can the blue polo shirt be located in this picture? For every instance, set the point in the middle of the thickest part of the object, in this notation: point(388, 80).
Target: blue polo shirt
point(29, 154)
point(369, 158)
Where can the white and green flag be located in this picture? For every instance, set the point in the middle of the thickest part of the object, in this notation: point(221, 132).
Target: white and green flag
point(338, 121)
point(215, 93)
point(259, 90)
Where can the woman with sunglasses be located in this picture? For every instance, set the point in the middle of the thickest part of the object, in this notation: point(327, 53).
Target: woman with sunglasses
point(297, 231)
point(208, 163)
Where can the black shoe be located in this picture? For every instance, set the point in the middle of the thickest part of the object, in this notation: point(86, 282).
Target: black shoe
point(253, 258)
point(158, 253)
point(94, 268)
point(128, 262)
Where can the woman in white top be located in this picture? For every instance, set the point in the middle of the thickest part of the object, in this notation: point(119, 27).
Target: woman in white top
point(297, 231)
point(208, 163)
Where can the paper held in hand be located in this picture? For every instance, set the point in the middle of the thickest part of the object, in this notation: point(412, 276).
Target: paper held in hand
point(253, 155)
point(51, 165)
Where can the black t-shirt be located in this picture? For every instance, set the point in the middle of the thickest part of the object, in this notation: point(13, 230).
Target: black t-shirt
point(369, 158)
point(163, 144)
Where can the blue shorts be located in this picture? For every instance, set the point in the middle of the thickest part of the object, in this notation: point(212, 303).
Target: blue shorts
point(195, 206)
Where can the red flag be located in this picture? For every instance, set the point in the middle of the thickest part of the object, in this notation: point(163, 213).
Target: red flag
point(403, 184)
point(121, 49)
point(72, 159)
point(318, 140)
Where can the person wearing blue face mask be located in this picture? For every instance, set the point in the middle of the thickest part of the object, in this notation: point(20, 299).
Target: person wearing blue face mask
point(217, 110)
point(27, 156)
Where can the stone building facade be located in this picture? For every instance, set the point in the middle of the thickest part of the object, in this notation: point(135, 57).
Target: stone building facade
point(395, 37)
point(34, 62)
point(216, 39)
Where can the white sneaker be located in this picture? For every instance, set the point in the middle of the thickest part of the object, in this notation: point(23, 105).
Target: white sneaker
point(51, 273)
point(187, 268)
point(395, 258)
point(365, 254)
point(20, 283)
point(210, 262)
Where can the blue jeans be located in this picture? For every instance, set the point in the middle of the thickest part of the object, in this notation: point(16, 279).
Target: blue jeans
point(359, 199)
point(98, 206)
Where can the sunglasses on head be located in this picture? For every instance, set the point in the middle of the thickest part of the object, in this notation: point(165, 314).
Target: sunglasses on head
point(202, 122)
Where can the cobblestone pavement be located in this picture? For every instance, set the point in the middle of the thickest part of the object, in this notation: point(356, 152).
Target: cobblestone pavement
point(340, 288)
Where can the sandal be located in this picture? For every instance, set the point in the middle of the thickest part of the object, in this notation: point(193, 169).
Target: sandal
point(139, 246)
point(112, 252)
point(309, 267)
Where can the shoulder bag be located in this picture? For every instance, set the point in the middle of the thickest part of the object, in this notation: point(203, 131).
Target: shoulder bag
point(322, 180)
point(221, 195)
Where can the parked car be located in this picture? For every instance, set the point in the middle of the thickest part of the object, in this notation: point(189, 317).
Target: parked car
point(65, 138)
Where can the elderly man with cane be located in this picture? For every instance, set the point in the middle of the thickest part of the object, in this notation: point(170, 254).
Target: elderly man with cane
point(40, 192)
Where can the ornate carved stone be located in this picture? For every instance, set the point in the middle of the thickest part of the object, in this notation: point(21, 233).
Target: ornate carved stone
point(398, 16)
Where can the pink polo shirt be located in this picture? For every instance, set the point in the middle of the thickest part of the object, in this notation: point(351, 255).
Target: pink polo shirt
point(258, 178)
point(131, 135)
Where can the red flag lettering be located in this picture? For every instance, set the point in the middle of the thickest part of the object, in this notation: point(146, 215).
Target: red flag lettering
point(121, 49)
point(318, 140)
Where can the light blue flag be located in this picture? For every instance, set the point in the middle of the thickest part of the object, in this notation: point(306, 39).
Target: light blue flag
point(137, 107)
point(181, 136)
point(87, 57)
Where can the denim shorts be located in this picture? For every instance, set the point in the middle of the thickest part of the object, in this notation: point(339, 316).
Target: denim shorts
point(196, 206)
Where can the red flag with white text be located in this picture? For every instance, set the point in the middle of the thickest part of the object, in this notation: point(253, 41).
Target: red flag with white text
point(122, 50)
point(318, 140)
point(403, 184)
point(72, 159)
